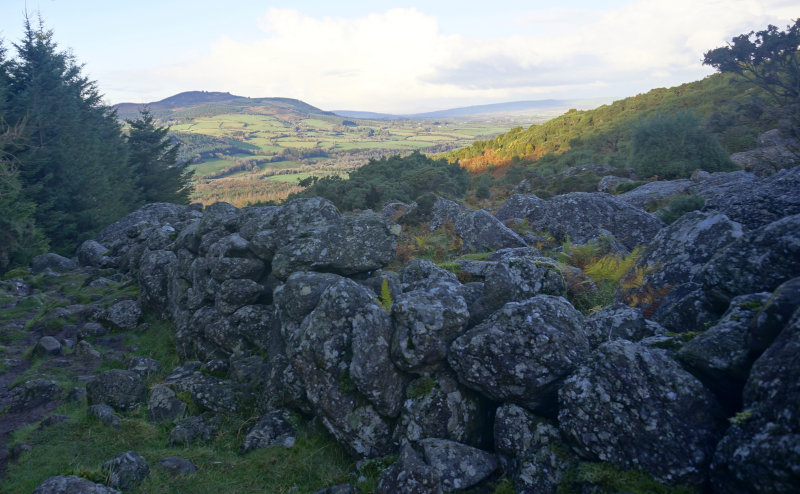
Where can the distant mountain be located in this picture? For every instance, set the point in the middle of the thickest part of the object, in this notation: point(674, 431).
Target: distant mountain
point(191, 104)
point(508, 109)
point(368, 115)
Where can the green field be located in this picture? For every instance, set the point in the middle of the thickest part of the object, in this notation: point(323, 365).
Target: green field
point(235, 151)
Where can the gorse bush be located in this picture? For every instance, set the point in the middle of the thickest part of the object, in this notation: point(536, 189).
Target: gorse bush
point(672, 146)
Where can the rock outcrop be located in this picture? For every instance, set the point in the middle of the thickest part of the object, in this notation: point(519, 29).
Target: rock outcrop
point(278, 314)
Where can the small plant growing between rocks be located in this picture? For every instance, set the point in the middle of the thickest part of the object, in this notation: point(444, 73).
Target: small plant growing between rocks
point(679, 205)
point(385, 300)
point(742, 417)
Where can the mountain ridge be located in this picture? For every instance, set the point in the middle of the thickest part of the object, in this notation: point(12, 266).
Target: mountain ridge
point(191, 99)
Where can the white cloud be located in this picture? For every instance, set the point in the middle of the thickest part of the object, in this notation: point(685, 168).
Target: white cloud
point(400, 60)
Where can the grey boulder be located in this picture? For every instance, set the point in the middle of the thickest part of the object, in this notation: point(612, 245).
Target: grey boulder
point(459, 466)
point(522, 352)
point(164, 405)
point(70, 484)
point(273, 429)
point(636, 408)
point(121, 389)
point(480, 231)
point(126, 470)
point(760, 452)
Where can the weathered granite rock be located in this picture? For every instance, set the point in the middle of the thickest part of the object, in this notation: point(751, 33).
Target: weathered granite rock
point(583, 216)
point(85, 350)
point(480, 231)
point(124, 314)
point(394, 210)
point(773, 152)
point(409, 475)
point(175, 465)
point(193, 429)
point(653, 193)
point(620, 321)
point(121, 389)
point(126, 470)
point(520, 278)
point(609, 183)
point(92, 253)
point(47, 346)
point(773, 316)
point(236, 293)
point(342, 357)
point(105, 413)
point(523, 206)
point(686, 308)
point(761, 450)
point(220, 215)
point(164, 405)
point(33, 393)
point(92, 329)
point(459, 466)
point(222, 397)
point(208, 335)
point(522, 352)
point(636, 408)
point(273, 429)
point(154, 275)
point(70, 484)
point(259, 328)
point(291, 220)
point(757, 203)
point(420, 274)
point(720, 356)
point(681, 249)
point(506, 254)
point(352, 244)
point(540, 457)
point(439, 407)
point(426, 322)
point(52, 261)
point(758, 261)
point(144, 366)
point(248, 371)
point(444, 211)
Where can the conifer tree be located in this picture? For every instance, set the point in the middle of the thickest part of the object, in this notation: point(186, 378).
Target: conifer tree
point(153, 159)
point(73, 162)
point(19, 238)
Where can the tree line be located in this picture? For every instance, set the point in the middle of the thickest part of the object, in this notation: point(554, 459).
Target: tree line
point(68, 166)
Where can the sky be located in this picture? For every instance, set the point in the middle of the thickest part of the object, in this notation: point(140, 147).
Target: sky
point(389, 56)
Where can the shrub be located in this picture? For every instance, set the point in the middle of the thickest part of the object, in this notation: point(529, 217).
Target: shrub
point(679, 205)
point(390, 178)
point(482, 189)
point(672, 146)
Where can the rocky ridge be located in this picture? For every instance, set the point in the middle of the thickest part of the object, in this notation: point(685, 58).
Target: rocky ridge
point(279, 309)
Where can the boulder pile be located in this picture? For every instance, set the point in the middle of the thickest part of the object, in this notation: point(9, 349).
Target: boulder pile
point(280, 308)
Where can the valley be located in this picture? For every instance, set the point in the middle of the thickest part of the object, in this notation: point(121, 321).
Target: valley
point(254, 150)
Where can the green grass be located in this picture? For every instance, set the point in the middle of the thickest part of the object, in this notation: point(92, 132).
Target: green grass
point(610, 478)
point(291, 178)
point(210, 167)
point(81, 445)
